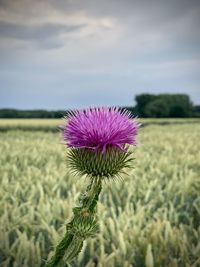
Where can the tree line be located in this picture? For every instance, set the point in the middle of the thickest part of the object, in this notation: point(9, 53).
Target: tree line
point(166, 106)
point(35, 113)
point(147, 106)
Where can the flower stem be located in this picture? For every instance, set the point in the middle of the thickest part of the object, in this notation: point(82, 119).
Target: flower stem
point(82, 226)
point(60, 250)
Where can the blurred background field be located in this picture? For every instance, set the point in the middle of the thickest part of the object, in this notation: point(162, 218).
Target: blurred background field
point(150, 219)
point(54, 124)
point(30, 124)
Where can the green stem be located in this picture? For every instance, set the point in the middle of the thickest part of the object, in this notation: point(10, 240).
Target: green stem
point(74, 249)
point(60, 250)
point(72, 243)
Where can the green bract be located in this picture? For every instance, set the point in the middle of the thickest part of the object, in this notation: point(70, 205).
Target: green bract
point(99, 164)
point(85, 226)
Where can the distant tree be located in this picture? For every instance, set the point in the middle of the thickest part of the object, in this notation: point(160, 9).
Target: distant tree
point(157, 108)
point(164, 105)
point(196, 111)
point(179, 104)
point(141, 101)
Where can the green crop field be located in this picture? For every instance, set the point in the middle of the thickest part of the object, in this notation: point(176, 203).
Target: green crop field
point(53, 124)
point(151, 218)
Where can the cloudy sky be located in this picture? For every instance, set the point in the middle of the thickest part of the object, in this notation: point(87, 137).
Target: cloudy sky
point(78, 53)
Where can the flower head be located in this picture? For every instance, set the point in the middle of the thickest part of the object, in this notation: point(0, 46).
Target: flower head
point(98, 138)
point(100, 128)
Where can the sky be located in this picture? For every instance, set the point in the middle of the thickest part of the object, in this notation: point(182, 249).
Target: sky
point(77, 53)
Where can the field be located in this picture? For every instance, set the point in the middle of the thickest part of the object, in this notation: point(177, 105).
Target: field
point(54, 124)
point(149, 219)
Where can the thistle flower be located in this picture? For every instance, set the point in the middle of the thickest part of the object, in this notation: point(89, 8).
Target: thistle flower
point(99, 139)
point(100, 128)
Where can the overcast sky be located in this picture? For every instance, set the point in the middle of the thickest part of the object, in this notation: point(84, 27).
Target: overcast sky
point(77, 53)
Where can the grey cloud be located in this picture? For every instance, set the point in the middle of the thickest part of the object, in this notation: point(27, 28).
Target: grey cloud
point(45, 35)
point(155, 9)
point(150, 10)
point(175, 23)
point(3, 3)
point(179, 17)
point(178, 20)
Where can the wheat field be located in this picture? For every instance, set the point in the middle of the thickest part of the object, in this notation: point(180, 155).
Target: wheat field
point(150, 218)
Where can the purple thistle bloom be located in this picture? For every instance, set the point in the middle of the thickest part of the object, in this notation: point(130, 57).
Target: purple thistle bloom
point(100, 128)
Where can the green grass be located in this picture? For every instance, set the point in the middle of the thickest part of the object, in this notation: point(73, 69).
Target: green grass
point(150, 219)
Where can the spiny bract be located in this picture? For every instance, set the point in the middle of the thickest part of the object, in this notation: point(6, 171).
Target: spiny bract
point(98, 164)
